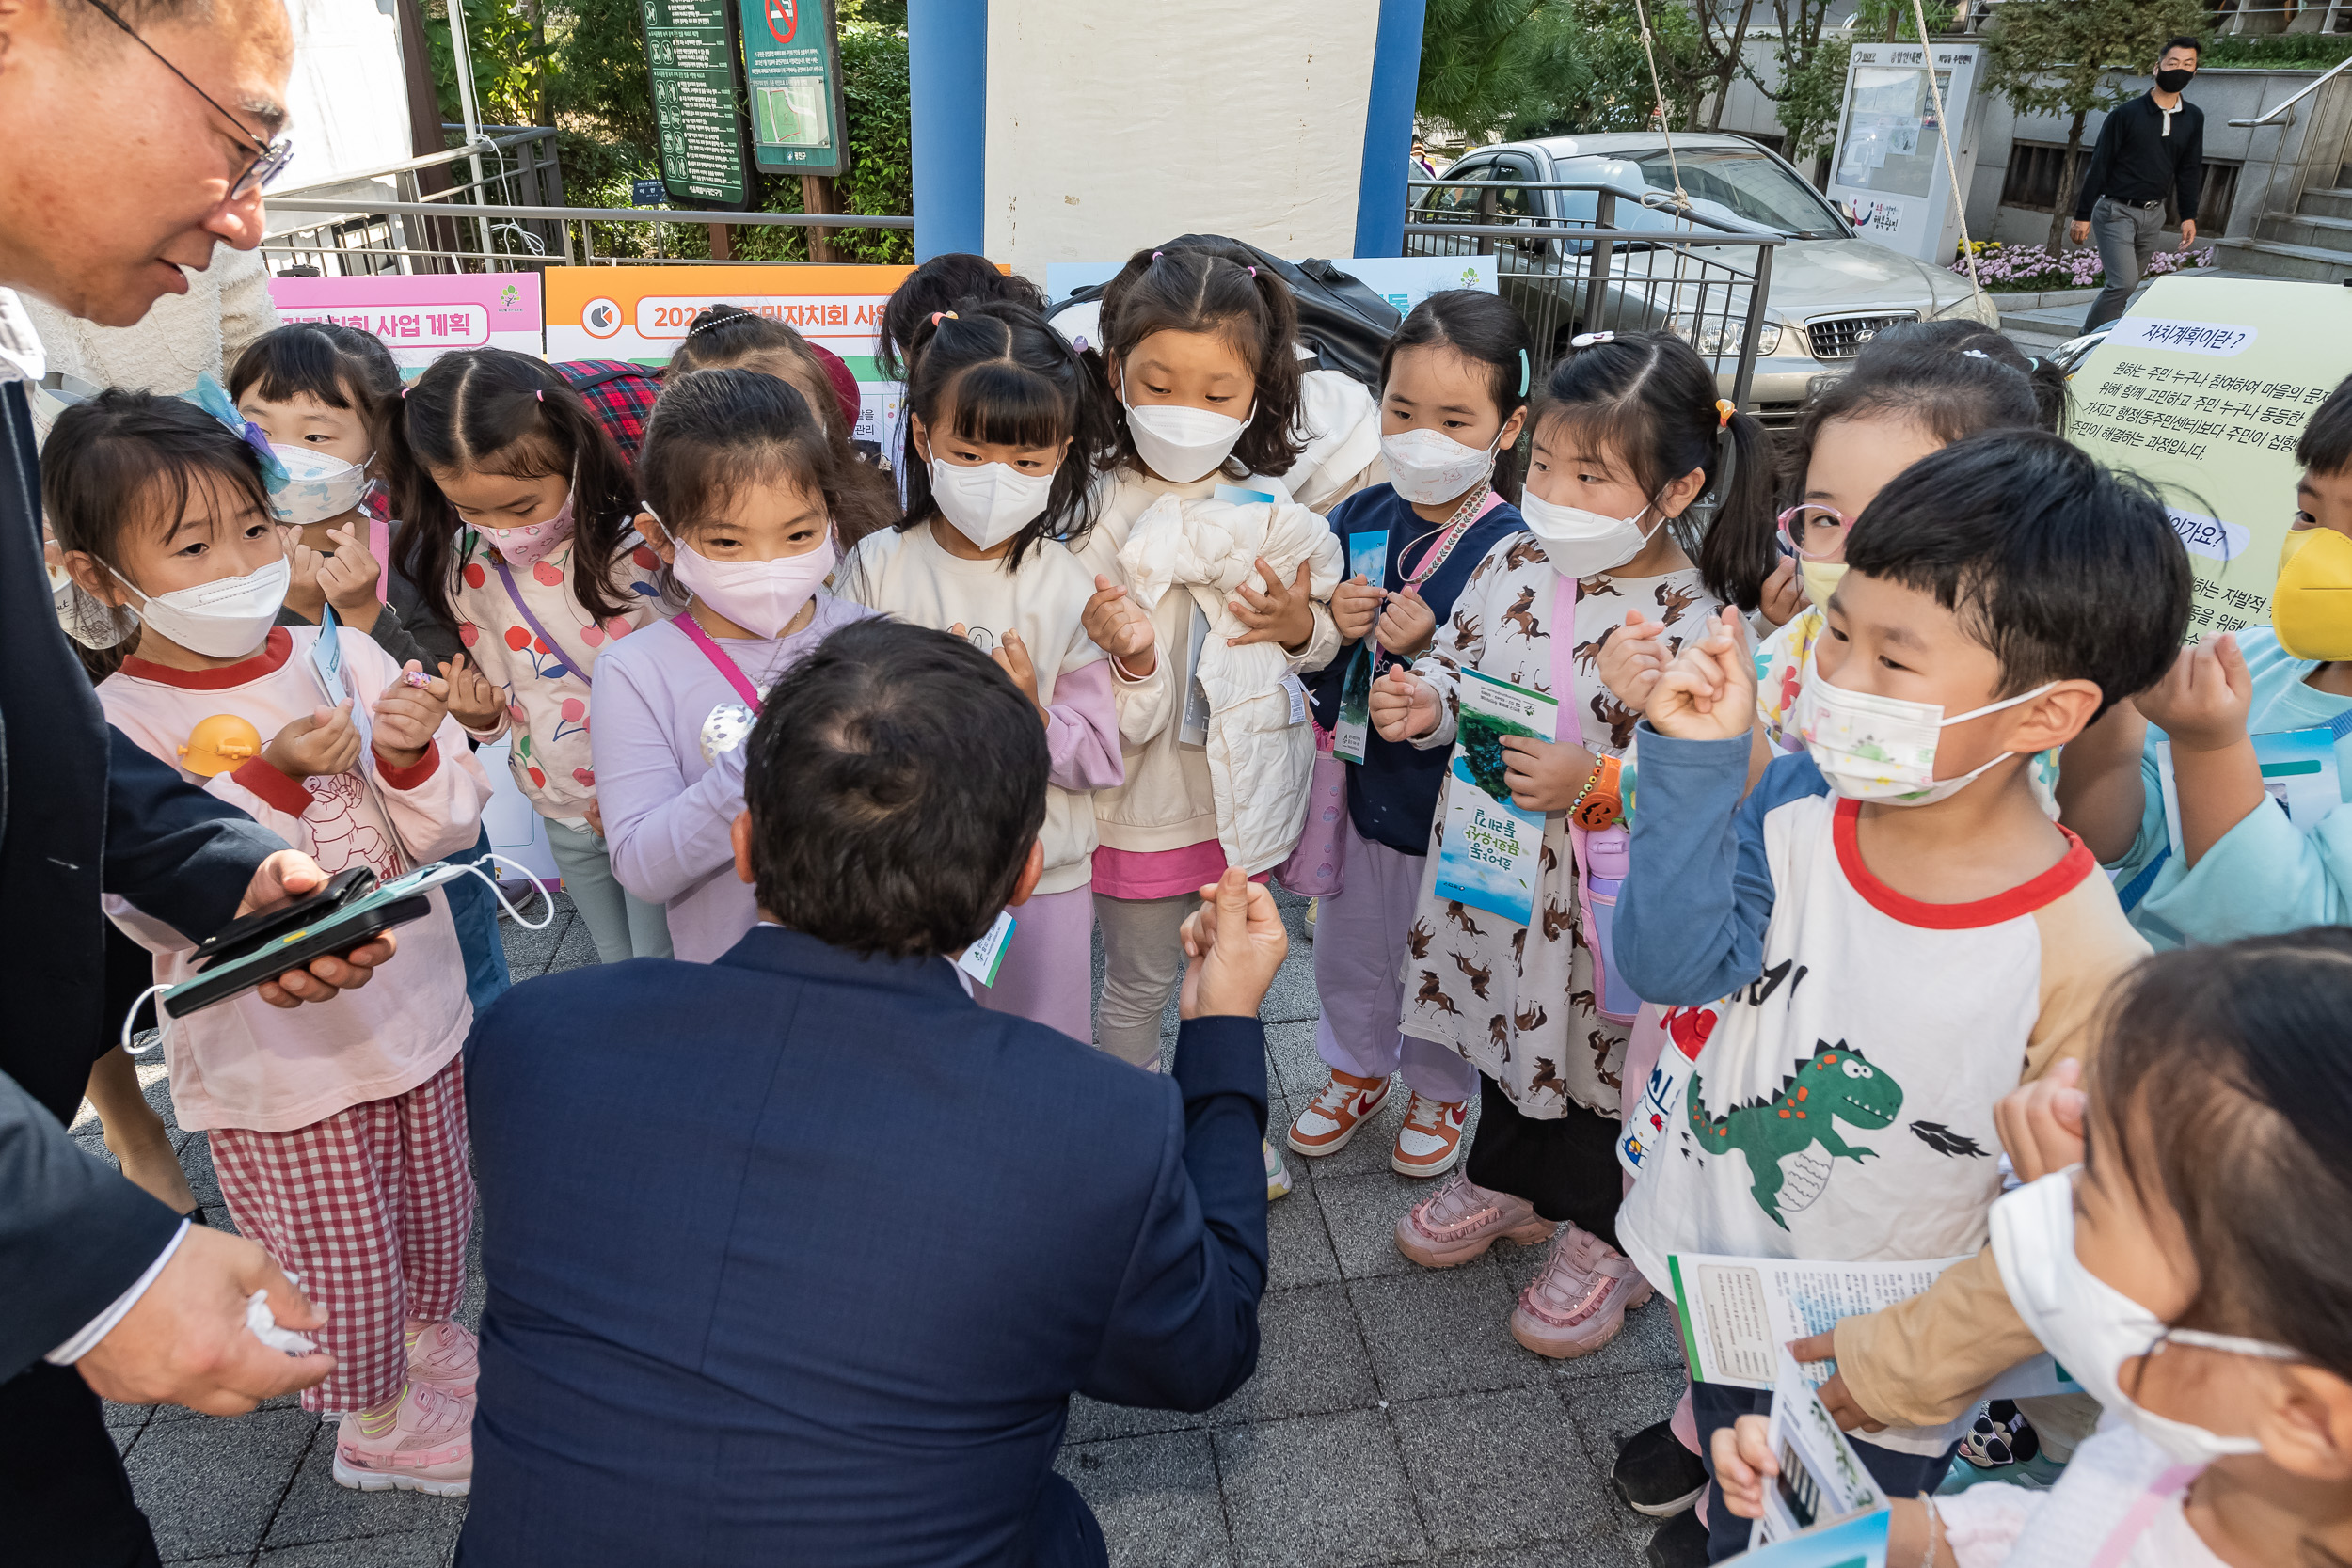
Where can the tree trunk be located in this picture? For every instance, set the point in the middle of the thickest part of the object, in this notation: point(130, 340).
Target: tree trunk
point(2062, 209)
point(818, 196)
point(1725, 77)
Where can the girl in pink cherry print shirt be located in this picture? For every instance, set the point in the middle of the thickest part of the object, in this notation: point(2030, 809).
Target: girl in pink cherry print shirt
point(514, 508)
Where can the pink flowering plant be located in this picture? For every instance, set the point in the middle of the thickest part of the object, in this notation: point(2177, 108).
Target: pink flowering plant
point(2032, 268)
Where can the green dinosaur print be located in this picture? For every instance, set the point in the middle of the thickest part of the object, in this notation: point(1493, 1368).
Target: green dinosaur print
point(1837, 1083)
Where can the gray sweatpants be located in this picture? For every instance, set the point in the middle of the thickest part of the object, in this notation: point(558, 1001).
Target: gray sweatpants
point(2126, 237)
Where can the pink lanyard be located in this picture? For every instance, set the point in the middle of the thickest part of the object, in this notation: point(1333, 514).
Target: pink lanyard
point(498, 564)
point(1470, 511)
point(2163, 1490)
point(1564, 652)
point(720, 658)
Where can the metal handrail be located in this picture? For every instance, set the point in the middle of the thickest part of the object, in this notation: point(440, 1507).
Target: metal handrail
point(1656, 200)
point(611, 215)
point(409, 165)
point(2287, 108)
point(1553, 228)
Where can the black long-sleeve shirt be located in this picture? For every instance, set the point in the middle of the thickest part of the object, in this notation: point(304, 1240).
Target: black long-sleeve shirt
point(2137, 162)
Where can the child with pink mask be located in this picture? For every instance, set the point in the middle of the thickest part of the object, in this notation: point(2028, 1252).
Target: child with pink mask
point(740, 483)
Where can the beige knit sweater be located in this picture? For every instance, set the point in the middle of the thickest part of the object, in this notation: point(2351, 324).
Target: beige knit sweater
point(184, 336)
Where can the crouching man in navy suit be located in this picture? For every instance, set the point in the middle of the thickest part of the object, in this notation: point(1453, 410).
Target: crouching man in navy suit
point(796, 1257)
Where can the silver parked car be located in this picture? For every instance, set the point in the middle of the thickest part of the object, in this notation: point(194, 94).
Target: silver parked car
point(1831, 291)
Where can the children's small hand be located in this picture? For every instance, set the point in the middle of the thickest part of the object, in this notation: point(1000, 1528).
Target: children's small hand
point(1835, 1397)
point(1632, 657)
point(473, 702)
point(1402, 704)
point(1784, 593)
point(305, 595)
point(2041, 1123)
point(2201, 703)
point(1120, 629)
point(348, 580)
point(1744, 1463)
point(1283, 614)
point(326, 743)
point(1407, 623)
point(1012, 658)
point(1543, 775)
point(407, 716)
point(1355, 606)
point(595, 814)
point(1708, 691)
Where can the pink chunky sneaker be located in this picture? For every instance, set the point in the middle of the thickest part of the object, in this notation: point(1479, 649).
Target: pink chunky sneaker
point(1461, 1220)
point(443, 1355)
point(1580, 1301)
point(426, 1446)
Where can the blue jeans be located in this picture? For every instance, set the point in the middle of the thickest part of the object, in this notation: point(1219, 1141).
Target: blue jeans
point(1716, 1405)
point(474, 908)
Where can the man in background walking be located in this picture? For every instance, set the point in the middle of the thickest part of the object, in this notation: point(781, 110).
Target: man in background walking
point(2150, 146)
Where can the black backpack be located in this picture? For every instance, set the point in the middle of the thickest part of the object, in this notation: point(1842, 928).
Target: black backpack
point(1340, 319)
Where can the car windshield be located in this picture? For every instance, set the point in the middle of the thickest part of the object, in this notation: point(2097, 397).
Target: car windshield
point(1723, 183)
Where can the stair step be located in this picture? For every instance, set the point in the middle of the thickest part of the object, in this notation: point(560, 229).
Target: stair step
point(2307, 229)
point(2275, 259)
point(2326, 201)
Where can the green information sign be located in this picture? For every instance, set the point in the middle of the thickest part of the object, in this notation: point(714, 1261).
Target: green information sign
point(792, 58)
point(690, 53)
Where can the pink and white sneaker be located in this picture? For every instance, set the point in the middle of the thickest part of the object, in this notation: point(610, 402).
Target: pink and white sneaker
point(443, 1355)
point(1580, 1301)
point(427, 1447)
point(1461, 1220)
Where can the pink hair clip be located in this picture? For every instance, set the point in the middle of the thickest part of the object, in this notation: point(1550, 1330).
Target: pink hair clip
point(1253, 272)
point(1156, 256)
point(541, 394)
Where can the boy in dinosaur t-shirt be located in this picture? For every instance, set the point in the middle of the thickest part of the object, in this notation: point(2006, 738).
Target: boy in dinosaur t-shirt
point(1888, 932)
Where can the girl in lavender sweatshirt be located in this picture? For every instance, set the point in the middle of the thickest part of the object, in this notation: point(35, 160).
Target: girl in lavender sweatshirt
point(739, 482)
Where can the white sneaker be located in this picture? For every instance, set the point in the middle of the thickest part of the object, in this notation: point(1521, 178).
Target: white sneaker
point(1278, 1179)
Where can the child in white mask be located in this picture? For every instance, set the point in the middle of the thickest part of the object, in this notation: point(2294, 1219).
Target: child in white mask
point(338, 1132)
point(1004, 429)
point(739, 479)
point(2187, 1267)
point(514, 509)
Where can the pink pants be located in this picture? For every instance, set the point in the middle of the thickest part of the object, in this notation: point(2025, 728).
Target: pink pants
point(1360, 973)
point(369, 1208)
point(1048, 971)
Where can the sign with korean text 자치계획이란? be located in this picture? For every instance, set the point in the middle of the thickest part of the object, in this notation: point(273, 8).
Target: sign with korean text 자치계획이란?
point(421, 316)
point(2205, 389)
point(792, 65)
point(696, 78)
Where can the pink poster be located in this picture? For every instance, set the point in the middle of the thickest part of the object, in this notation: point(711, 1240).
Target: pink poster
point(422, 318)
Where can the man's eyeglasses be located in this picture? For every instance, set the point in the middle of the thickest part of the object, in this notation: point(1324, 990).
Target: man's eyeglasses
point(273, 156)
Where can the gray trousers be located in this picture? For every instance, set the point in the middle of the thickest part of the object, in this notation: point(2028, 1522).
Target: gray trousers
point(2126, 237)
point(623, 926)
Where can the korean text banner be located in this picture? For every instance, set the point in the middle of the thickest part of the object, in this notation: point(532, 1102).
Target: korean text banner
point(2205, 389)
point(641, 313)
point(422, 318)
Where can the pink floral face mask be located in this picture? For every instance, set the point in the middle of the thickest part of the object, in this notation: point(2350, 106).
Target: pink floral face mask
point(531, 543)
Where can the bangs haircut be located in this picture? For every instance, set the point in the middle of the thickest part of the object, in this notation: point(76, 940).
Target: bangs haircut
point(1483, 332)
point(2064, 568)
point(1003, 404)
point(127, 460)
point(340, 366)
point(716, 433)
point(2222, 1081)
point(2325, 447)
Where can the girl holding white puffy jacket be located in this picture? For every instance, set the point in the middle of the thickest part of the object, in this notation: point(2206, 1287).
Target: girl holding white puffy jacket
point(1213, 590)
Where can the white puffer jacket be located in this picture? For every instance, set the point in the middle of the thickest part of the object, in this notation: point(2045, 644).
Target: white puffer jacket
point(1261, 750)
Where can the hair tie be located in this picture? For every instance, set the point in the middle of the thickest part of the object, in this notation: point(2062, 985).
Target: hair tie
point(1253, 271)
point(2033, 363)
point(1976, 354)
point(404, 392)
point(1723, 411)
point(541, 394)
point(1587, 339)
point(214, 399)
point(938, 316)
point(1524, 373)
point(1156, 256)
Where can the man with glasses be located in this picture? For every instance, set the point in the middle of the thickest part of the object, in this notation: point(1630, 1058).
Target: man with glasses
point(134, 135)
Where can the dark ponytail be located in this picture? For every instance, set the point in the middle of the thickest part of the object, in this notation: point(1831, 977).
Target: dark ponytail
point(1648, 398)
point(1483, 329)
point(492, 410)
point(941, 283)
point(1212, 288)
point(1007, 379)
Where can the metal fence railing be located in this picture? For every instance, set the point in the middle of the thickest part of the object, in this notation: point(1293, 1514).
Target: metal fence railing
point(440, 218)
point(1579, 256)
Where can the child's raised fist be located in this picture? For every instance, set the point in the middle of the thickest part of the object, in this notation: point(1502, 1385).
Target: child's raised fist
point(1119, 628)
point(1708, 691)
point(472, 700)
point(1403, 706)
point(305, 597)
point(1407, 625)
point(411, 709)
point(1356, 606)
point(1632, 657)
point(2202, 702)
point(324, 744)
point(348, 578)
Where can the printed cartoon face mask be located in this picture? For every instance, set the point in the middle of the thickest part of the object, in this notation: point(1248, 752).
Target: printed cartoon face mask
point(2310, 605)
point(1882, 749)
point(530, 543)
point(319, 485)
point(2093, 1328)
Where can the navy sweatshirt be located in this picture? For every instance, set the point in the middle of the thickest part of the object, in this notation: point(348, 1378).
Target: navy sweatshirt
point(1392, 794)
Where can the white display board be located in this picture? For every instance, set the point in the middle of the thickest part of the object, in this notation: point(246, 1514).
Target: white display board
point(515, 830)
point(1888, 173)
point(1403, 281)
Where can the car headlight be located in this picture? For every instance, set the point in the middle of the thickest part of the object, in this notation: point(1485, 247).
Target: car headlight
point(1966, 309)
point(1719, 343)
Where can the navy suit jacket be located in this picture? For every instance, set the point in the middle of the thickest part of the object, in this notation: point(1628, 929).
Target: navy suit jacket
point(796, 1257)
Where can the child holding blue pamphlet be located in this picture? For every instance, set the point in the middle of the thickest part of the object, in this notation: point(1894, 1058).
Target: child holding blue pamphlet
point(338, 1132)
point(1503, 968)
point(1453, 396)
point(2214, 803)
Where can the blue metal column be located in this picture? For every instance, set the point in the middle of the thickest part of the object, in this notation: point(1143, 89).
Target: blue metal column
point(948, 70)
point(1387, 130)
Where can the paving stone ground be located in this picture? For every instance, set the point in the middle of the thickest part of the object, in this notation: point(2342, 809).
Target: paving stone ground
point(1392, 1418)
